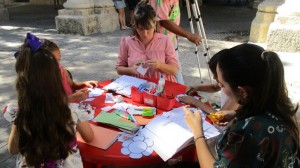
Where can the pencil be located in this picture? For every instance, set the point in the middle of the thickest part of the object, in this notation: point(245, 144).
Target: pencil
point(128, 118)
point(133, 119)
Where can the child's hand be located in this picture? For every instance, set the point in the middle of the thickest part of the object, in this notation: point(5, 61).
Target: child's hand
point(91, 84)
point(154, 64)
point(81, 94)
point(227, 116)
point(191, 90)
point(10, 112)
point(188, 100)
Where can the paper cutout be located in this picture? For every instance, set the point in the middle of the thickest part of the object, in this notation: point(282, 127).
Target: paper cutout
point(103, 137)
point(95, 92)
point(137, 147)
point(123, 84)
point(88, 99)
point(140, 69)
point(109, 98)
point(113, 99)
point(87, 108)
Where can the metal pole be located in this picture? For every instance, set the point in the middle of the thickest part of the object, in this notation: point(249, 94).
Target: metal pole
point(200, 28)
point(192, 30)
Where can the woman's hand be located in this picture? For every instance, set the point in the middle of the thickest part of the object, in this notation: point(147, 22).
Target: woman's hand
point(133, 70)
point(228, 115)
point(194, 121)
point(154, 64)
point(188, 100)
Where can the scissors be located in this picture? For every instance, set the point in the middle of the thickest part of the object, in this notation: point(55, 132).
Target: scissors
point(215, 117)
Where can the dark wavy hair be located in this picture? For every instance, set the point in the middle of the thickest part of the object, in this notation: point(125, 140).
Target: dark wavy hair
point(213, 62)
point(44, 122)
point(144, 16)
point(49, 45)
point(262, 71)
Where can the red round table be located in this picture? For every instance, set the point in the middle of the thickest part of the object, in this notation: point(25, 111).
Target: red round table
point(96, 157)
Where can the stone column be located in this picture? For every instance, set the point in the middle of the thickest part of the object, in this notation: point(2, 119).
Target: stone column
point(284, 32)
point(3, 12)
point(78, 4)
point(86, 17)
point(255, 3)
point(77, 18)
point(264, 17)
point(105, 9)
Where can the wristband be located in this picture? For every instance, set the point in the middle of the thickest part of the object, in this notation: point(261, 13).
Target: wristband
point(201, 136)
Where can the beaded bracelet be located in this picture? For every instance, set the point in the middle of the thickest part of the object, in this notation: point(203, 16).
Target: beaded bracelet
point(201, 136)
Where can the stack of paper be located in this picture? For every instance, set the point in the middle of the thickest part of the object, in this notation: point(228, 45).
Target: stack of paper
point(170, 133)
point(103, 137)
point(116, 121)
point(123, 84)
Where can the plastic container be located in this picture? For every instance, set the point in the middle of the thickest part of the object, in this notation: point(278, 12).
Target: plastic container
point(149, 99)
point(136, 95)
point(165, 103)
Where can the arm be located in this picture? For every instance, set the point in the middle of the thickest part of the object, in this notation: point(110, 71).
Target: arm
point(171, 26)
point(13, 146)
point(84, 84)
point(78, 96)
point(85, 131)
point(210, 88)
point(194, 122)
point(122, 70)
point(122, 62)
point(169, 69)
point(196, 103)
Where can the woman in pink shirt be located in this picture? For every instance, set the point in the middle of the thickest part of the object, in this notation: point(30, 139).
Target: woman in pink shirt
point(146, 46)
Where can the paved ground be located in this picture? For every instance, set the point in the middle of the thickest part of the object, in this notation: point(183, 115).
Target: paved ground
point(94, 56)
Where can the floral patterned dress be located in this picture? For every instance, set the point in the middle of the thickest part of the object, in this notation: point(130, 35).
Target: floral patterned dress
point(258, 141)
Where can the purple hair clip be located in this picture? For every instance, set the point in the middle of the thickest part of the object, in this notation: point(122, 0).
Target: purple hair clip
point(32, 42)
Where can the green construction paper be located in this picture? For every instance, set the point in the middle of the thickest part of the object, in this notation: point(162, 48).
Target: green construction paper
point(114, 120)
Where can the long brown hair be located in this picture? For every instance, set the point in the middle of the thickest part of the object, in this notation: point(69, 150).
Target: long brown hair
point(44, 122)
point(250, 65)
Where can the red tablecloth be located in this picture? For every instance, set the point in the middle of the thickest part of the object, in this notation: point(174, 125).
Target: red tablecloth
point(112, 156)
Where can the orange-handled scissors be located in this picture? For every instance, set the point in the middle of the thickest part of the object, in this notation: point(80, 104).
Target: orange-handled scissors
point(215, 117)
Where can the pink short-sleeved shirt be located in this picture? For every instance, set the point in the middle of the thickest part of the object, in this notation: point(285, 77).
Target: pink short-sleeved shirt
point(64, 76)
point(132, 51)
point(167, 10)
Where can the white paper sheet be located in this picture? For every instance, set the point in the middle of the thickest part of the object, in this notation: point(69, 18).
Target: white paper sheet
point(88, 99)
point(95, 92)
point(123, 84)
point(140, 69)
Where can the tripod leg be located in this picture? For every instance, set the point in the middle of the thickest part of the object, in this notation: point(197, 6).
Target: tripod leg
point(202, 28)
point(192, 30)
point(201, 31)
